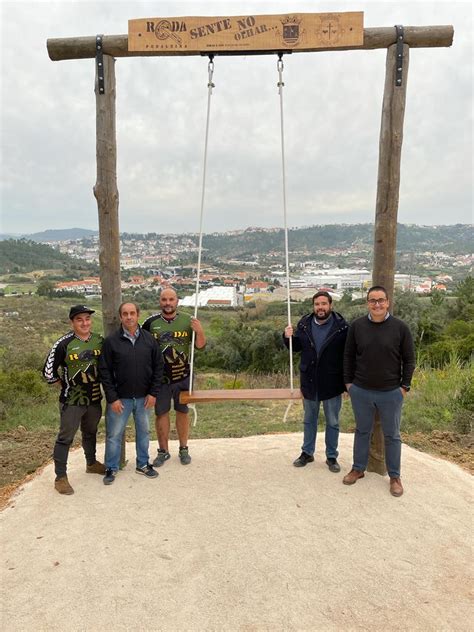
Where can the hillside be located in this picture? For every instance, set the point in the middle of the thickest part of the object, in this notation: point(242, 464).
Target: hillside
point(21, 255)
point(64, 234)
point(450, 239)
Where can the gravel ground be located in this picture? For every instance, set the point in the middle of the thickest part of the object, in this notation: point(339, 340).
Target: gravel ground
point(241, 540)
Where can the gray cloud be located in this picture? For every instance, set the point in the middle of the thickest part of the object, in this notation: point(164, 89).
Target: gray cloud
point(332, 107)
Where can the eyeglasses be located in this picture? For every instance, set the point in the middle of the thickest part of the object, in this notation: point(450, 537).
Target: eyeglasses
point(376, 301)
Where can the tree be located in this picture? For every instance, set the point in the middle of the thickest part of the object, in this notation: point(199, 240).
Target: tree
point(45, 288)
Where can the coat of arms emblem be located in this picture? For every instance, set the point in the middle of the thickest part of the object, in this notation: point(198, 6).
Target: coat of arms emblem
point(291, 29)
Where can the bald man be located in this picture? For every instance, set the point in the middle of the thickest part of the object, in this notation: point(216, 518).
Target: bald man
point(173, 331)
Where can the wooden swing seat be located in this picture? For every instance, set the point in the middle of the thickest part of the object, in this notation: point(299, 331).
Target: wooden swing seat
point(200, 397)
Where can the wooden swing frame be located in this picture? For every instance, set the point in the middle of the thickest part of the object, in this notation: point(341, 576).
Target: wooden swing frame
point(104, 48)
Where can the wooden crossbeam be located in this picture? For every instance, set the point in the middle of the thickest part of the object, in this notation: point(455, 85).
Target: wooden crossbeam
point(378, 37)
point(200, 397)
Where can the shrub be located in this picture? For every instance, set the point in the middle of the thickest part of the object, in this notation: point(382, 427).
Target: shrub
point(20, 385)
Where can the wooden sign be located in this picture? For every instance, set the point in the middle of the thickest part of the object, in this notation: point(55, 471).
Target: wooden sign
point(292, 31)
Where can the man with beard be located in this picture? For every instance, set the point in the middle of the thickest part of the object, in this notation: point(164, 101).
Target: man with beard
point(72, 365)
point(320, 337)
point(173, 331)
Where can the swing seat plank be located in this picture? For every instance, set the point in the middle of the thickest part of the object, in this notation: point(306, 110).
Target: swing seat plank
point(200, 397)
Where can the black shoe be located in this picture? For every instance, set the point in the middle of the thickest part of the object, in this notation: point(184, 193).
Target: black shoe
point(184, 455)
point(161, 457)
point(109, 477)
point(333, 465)
point(303, 459)
point(147, 471)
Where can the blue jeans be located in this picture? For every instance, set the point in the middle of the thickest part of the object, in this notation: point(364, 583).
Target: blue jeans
point(389, 406)
point(331, 408)
point(116, 424)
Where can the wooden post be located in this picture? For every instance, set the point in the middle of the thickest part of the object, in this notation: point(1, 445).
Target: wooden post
point(388, 187)
point(106, 193)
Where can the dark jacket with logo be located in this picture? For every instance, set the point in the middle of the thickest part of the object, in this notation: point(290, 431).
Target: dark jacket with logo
point(129, 370)
point(321, 376)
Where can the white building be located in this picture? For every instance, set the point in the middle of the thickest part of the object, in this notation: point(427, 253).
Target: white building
point(217, 296)
point(339, 278)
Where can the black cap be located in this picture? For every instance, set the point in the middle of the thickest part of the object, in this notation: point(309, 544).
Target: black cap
point(80, 309)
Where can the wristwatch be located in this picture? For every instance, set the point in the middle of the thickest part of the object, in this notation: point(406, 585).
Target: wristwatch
point(406, 388)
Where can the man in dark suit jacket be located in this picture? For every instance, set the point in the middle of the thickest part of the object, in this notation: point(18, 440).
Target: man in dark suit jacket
point(320, 337)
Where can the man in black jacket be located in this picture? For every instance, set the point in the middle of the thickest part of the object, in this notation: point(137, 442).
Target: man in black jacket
point(320, 337)
point(131, 371)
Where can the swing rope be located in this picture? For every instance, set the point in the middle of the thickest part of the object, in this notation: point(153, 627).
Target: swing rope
point(280, 85)
point(210, 86)
point(241, 394)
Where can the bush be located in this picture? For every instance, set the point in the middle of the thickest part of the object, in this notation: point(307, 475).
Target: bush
point(21, 385)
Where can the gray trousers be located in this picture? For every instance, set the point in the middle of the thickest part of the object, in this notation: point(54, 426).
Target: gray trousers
point(389, 406)
point(71, 417)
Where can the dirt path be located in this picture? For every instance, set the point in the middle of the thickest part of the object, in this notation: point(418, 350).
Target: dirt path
point(241, 540)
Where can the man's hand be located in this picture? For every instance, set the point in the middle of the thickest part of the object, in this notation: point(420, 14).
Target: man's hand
point(196, 325)
point(150, 401)
point(404, 392)
point(117, 406)
point(200, 338)
point(288, 331)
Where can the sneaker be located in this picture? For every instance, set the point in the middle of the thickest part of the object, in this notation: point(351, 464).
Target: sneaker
point(96, 468)
point(333, 465)
point(62, 486)
point(147, 471)
point(161, 457)
point(184, 455)
point(352, 477)
point(109, 477)
point(303, 459)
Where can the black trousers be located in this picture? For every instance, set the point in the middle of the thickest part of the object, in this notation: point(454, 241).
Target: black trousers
point(71, 417)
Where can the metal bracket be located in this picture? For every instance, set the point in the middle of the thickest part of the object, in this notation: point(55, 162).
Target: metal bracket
point(99, 60)
point(399, 60)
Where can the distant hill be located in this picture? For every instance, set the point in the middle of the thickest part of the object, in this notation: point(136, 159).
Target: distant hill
point(21, 255)
point(64, 234)
point(456, 238)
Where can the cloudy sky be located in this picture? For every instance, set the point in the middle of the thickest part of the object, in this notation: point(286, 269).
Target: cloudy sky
point(332, 104)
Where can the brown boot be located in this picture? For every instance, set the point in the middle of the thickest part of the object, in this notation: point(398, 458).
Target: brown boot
point(352, 477)
point(96, 468)
point(396, 487)
point(62, 486)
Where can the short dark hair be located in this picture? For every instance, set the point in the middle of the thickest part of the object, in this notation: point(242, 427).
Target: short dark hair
point(377, 288)
point(128, 303)
point(323, 293)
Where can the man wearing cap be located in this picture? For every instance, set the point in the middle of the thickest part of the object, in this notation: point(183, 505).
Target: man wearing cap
point(72, 363)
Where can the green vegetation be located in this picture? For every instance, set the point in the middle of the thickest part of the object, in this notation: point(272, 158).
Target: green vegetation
point(21, 255)
point(450, 239)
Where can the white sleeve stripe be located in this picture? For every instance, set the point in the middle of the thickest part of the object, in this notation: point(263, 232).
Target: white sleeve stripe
point(49, 364)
